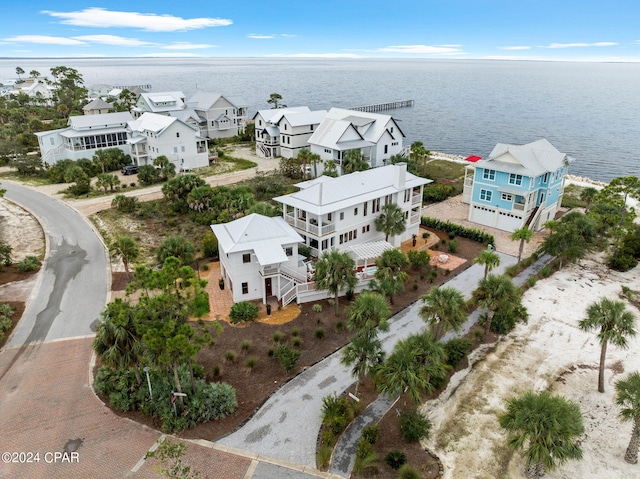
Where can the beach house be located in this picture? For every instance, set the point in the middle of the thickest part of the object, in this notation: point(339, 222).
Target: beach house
point(161, 103)
point(516, 186)
point(376, 136)
point(259, 258)
point(285, 131)
point(154, 135)
point(341, 212)
point(84, 136)
point(220, 116)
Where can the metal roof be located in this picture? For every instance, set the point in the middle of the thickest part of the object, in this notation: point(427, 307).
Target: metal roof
point(263, 235)
point(532, 159)
point(104, 120)
point(371, 250)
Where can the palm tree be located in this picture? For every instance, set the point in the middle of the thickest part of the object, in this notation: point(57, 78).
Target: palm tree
point(444, 310)
point(364, 353)
point(352, 161)
point(390, 275)
point(494, 293)
point(615, 324)
point(545, 427)
point(490, 259)
point(411, 366)
point(391, 220)
point(367, 312)
point(314, 158)
point(335, 271)
point(523, 234)
point(304, 158)
point(126, 248)
point(628, 400)
point(588, 195)
point(117, 341)
point(178, 247)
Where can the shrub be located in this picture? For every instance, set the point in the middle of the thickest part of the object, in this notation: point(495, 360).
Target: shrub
point(453, 246)
point(243, 311)
point(456, 349)
point(316, 308)
point(230, 356)
point(418, 259)
point(414, 426)
point(531, 281)
point(339, 326)
point(363, 448)
point(178, 247)
point(319, 333)
point(336, 413)
point(546, 271)
point(250, 363)
point(277, 336)
point(245, 345)
point(505, 320)
point(621, 261)
point(217, 371)
point(370, 433)
point(323, 456)
point(362, 463)
point(295, 332)
point(511, 270)
point(287, 356)
point(29, 263)
point(457, 230)
point(5, 254)
point(415, 286)
point(209, 245)
point(296, 342)
point(395, 459)
point(408, 472)
point(125, 204)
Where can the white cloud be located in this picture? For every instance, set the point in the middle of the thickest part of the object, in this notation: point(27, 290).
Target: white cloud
point(151, 22)
point(188, 46)
point(114, 40)
point(429, 49)
point(515, 48)
point(581, 45)
point(44, 39)
point(266, 37)
point(259, 37)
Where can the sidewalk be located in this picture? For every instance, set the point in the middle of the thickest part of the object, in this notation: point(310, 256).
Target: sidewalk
point(345, 451)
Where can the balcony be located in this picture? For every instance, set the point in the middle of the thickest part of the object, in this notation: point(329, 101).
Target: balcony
point(416, 199)
point(311, 226)
point(414, 217)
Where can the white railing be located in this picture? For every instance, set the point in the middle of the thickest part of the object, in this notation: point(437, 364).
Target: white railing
point(269, 270)
point(416, 199)
point(289, 296)
point(414, 217)
point(295, 275)
point(518, 206)
point(303, 288)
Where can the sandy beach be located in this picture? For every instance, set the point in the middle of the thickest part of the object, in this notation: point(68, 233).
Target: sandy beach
point(548, 353)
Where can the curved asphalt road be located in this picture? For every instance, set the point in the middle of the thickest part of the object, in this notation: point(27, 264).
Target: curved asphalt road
point(72, 287)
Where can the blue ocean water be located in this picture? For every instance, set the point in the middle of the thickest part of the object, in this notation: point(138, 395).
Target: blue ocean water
point(590, 111)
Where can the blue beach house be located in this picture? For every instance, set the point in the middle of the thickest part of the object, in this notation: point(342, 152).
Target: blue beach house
point(516, 186)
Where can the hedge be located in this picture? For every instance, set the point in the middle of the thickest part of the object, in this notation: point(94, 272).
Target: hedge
point(457, 230)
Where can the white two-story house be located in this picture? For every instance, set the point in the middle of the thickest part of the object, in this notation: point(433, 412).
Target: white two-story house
point(161, 103)
point(221, 116)
point(285, 131)
point(84, 136)
point(259, 258)
point(516, 186)
point(154, 135)
point(376, 136)
point(341, 212)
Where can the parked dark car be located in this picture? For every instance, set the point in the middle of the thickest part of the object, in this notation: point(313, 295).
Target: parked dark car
point(130, 169)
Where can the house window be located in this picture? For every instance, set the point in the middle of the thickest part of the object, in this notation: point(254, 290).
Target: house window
point(329, 216)
point(285, 127)
point(355, 212)
point(246, 258)
point(177, 134)
point(245, 288)
point(332, 240)
point(182, 149)
point(489, 175)
point(350, 235)
point(407, 195)
point(288, 251)
point(364, 207)
point(546, 177)
point(341, 216)
point(515, 179)
point(355, 234)
point(485, 195)
point(391, 131)
point(386, 149)
point(311, 127)
point(175, 149)
point(506, 197)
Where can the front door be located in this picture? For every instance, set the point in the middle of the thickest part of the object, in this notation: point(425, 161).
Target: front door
point(267, 287)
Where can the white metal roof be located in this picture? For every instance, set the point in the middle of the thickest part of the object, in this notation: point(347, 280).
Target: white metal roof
point(275, 114)
point(371, 250)
point(263, 235)
point(532, 159)
point(205, 100)
point(104, 120)
point(304, 118)
point(335, 194)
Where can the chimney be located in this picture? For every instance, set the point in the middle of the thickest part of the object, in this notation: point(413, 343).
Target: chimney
point(400, 175)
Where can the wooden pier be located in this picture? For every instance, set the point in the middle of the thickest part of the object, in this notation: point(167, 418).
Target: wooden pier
point(384, 106)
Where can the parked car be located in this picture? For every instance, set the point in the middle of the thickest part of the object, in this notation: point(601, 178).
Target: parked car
point(130, 169)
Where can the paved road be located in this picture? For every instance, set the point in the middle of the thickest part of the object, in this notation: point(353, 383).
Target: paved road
point(73, 283)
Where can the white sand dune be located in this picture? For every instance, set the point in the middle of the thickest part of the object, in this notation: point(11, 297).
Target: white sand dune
point(549, 352)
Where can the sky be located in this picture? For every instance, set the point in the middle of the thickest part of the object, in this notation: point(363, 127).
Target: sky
point(563, 30)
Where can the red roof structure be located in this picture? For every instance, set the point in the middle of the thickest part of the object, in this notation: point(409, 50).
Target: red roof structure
point(473, 158)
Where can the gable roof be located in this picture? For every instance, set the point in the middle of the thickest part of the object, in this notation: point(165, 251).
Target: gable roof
point(204, 100)
point(275, 114)
point(263, 235)
point(322, 195)
point(532, 159)
point(156, 123)
point(174, 97)
point(303, 118)
point(370, 126)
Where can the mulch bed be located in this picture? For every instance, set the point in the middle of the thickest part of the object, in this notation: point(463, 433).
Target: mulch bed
point(9, 274)
point(253, 387)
